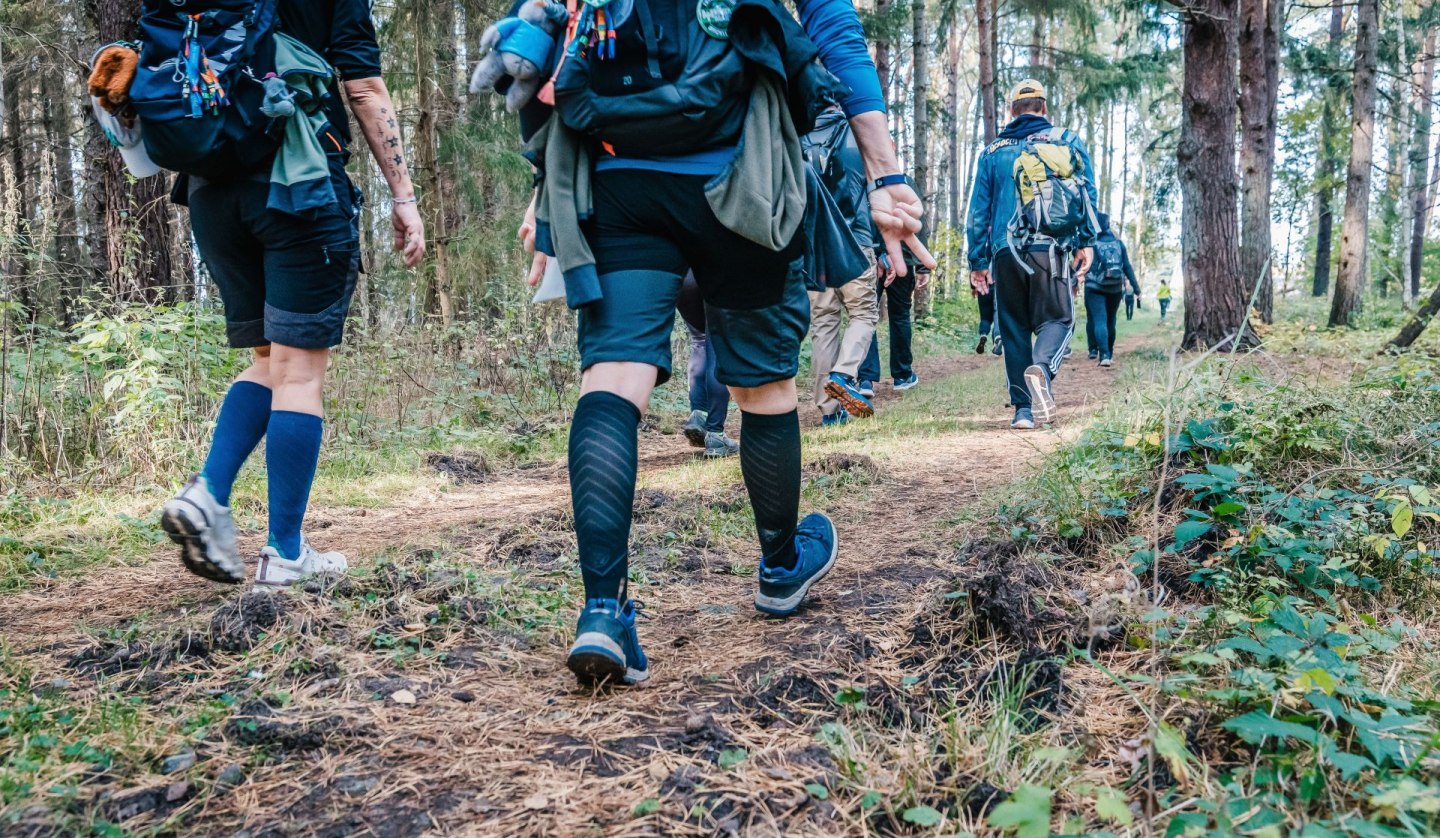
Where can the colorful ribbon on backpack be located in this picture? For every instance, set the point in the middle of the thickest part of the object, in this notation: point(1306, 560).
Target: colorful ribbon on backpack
point(202, 85)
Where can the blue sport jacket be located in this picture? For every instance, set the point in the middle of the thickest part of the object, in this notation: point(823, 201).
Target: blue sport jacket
point(993, 198)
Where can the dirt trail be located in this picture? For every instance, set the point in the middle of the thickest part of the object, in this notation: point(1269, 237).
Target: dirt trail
point(500, 740)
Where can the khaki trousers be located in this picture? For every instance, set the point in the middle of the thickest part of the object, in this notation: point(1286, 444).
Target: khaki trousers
point(834, 350)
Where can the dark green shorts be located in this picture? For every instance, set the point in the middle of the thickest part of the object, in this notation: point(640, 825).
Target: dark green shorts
point(648, 228)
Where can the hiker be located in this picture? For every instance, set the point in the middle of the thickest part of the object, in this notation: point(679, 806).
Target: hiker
point(986, 329)
point(836, 354)
point(899, 292)
point(285, 275)
point(1109, 279)
point(1024, 242)
point(1162, 296)
point(652, 212)
point(1132, 295)
point(709, 399)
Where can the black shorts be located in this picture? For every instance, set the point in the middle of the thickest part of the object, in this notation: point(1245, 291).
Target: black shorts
point(283, 278)
point(648, 228)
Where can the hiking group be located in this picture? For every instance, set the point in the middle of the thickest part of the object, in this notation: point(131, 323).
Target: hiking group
point(649, 200)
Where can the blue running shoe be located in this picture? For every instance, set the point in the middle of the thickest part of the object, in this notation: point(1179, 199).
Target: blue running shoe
point(606, 645)
point(907, 382)
point(1024, 419)
point(839, 417)
point(816, 545)
point(846, 390)
point(867, 389)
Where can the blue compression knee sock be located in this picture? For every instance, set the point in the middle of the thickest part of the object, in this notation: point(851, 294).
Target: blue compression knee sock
point(292, 451)
point(243, 417)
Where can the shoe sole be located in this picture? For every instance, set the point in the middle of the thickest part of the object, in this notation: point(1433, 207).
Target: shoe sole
point(1107, 363)
point(596, 659)
point(194, 546)
point(980, 347)
point(696, 436)
point(852, 405)
point(1022, 426)
point(900, 388)
point(716, 455)
point(789, 605)
point(1042, 403)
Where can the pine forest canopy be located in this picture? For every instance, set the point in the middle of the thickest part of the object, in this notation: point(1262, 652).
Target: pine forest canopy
point(77, 234)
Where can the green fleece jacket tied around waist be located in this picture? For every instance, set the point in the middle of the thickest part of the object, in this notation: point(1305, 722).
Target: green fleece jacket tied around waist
point(760, 195)
point(300, 176)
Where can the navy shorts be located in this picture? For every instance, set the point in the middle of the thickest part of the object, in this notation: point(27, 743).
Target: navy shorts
point(283, 278)
point(648, 228)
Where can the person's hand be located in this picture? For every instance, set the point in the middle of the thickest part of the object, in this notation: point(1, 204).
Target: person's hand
point(922, 279)
point(896, 211)
point(527, 240)
point(980, 282)
point(1084, 258)
point(409, 233)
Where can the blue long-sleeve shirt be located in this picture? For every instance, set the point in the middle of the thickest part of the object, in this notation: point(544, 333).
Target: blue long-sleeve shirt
point(993, 197)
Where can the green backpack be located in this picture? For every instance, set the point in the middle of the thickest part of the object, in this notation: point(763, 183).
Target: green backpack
point(1050, 183)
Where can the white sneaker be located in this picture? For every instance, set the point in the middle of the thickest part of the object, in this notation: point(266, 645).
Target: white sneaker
point(205, 532)
point(277, 570)
point(1042, 402)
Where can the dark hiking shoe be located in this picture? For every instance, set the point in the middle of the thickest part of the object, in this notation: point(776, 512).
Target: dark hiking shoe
point(1024, 420)
point(782, 590)
point(867, 389)
point(1042, 403)
point(717, 444)
point(607, 647)
point(839, 417)
point(980, 344)
point(694, 429)
point(846, 390)
point(1094, 354)
point(205, 532)
point(907, 382)
point(997, 350)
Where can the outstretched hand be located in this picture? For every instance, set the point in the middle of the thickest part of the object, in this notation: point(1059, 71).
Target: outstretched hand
point(896, 211)
point(527, 240)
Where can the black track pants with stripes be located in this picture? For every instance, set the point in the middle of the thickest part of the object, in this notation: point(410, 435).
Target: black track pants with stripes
point(1036, 314)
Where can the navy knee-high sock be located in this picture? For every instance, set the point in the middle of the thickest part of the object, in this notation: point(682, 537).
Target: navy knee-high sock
point(292, 451)
point(770, 463)
point(603, 462)
point(243, 417)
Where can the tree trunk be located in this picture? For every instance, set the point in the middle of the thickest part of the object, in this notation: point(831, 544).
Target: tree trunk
point(985, 36)
point(1260, 25)
point(1354, 232)
point(134, 242)
point(1215, 311)
point(1412, 330)
point(1329, 155)
point(952, 135)
point(882, 49)
point(920, 97)
point(431, 87)
point(1420, 170)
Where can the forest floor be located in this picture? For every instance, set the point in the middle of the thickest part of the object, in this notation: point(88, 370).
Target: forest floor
point(426, 690)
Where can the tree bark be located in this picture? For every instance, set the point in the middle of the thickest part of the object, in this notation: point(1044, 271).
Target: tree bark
point(1354, 232)
point(1412, 330)
point(920, 97)
point(882, 49)
point(1215, 310)
point(134, 242)
point(432, 84)
point(1260, 24)
point(1329, 155)
point(985, 36)
point(952, 134)
point(1420, 170)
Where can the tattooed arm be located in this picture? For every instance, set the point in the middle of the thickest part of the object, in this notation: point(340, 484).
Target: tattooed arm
point(375, 113)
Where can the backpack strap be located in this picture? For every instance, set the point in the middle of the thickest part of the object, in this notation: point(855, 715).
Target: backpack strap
point(652, 44)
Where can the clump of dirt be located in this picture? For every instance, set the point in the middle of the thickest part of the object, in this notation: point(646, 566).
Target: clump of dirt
point(112, 658)
point(533, 549)
point(256, 725)
point(1036, 677)
point(157, 801)
point(790, 696)
point(463, 468)
point(240, 623)
point(1009, 594)
point(840, 464)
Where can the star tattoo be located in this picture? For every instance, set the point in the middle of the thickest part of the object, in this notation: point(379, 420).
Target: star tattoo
point(398, 161)
point(392, 141)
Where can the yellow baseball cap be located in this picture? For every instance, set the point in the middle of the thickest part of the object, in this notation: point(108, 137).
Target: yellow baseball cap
point(1027, 89)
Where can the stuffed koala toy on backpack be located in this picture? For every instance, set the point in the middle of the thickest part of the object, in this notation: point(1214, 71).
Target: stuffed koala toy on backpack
point(521, 47)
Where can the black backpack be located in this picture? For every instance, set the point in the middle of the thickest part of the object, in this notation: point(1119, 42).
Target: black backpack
point(1108, 272)
point(198, 86)
point(668, 89)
